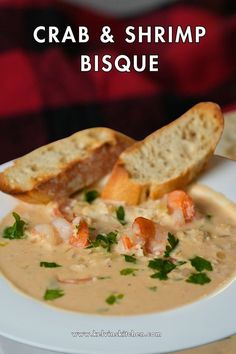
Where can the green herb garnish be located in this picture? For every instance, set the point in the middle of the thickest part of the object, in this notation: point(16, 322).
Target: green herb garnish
point(130, 259)
point(103, 278)
point(49, 265)
point(120, 214)
point(114, 299)
point(159, 275)
point(90, 196)
point(128, 271)
point(173, 242)
point(52, 294)
point(17, 230)
point(201, 264)
point(104, 240)
point(209, 216)
point(198, 278)
point(163, 266)
point(179, 263)
point(152, 288)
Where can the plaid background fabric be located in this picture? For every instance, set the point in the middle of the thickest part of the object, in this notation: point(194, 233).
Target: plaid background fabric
point(44, 96)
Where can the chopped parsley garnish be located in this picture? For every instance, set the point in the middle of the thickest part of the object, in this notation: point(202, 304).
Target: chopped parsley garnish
point(114, 299)
point(49, 265)
point(160, 275)
point(128, 271)
point(17, 230)
point(179, 263)
point(130, 259)
point(198, 278)
point(163, 266)
point(120, 214)
point(173, 242)
point(201, 264)
point(152, 288)
point(104, 240)
point(103, 278)
point(52, 294)
point(90, 196)
point(209, 216)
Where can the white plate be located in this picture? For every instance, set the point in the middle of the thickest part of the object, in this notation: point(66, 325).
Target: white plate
point(31, 322)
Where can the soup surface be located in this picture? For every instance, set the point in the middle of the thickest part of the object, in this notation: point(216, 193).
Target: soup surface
point(94, 256)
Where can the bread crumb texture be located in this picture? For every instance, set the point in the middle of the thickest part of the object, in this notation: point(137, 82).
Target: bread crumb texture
point(183, 143)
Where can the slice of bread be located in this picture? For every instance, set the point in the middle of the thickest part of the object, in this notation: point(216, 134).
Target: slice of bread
point(227, 144)
point(63, 167)
point(167, 159)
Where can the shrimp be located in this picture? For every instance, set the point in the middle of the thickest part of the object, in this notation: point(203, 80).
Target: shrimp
point(81, 235)
point(127, 242)
point(153, 236)
point(144, 228)
point(181, 205)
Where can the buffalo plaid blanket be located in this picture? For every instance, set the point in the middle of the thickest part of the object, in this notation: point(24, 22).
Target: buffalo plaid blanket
point(44, 96)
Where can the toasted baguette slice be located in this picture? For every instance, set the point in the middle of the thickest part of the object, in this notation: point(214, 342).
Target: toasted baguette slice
point(63, 167)
point(227, 144)
point(167, 159)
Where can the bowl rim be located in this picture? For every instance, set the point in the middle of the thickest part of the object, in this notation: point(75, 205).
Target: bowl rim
point(29, 321)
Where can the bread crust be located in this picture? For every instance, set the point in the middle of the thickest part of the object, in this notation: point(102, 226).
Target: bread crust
point(135, 192)
point(121, 187)
point(73, 176)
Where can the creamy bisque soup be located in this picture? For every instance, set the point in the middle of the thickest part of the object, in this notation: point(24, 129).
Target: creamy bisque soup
point(95, 256)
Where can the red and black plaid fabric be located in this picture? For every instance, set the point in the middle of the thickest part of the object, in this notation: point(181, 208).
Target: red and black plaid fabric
point(44, 96)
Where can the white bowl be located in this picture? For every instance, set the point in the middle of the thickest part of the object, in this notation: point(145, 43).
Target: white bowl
point(29, 321)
